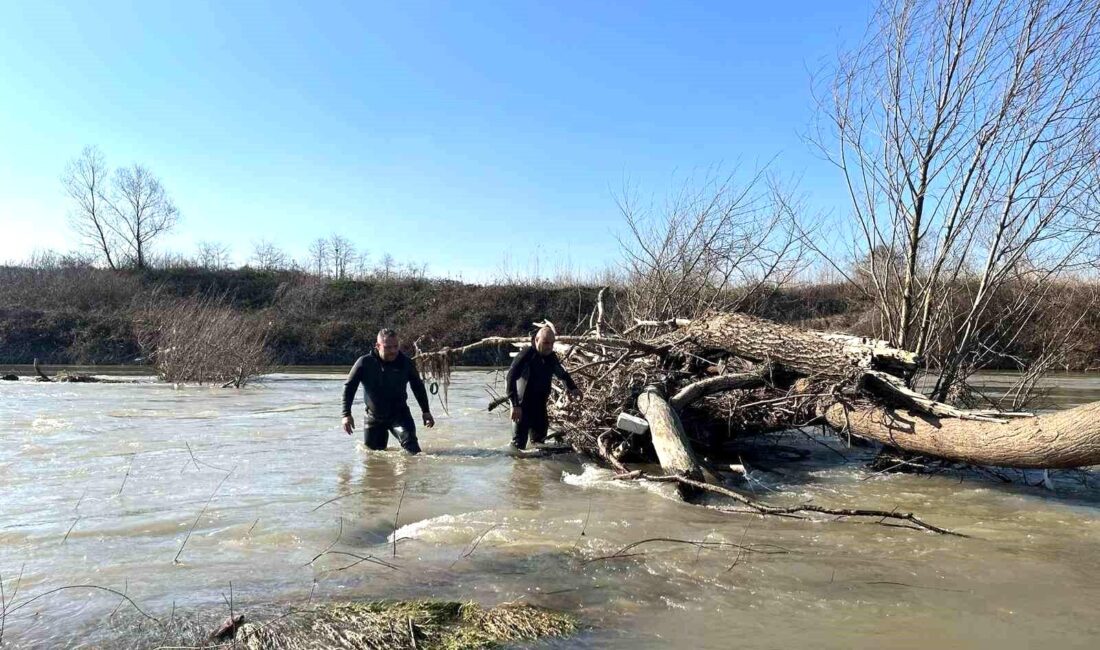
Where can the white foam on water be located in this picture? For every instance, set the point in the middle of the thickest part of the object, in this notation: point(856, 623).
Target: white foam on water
point(592, 476)
point(51, 424)
point(445, 528)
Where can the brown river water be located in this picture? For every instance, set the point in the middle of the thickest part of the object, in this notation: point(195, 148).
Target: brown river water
point(100, 484)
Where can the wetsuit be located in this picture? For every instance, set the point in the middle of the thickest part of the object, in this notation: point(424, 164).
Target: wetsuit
point(529, 388)
point(387, 408)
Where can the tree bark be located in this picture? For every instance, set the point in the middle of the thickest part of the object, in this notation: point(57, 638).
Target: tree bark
point(720, 384)
point(1063, 439)
point(669, 440)
point(808, 352)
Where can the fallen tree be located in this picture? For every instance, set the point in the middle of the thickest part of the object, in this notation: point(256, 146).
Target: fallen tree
point(732, 375)
point(1063, 439)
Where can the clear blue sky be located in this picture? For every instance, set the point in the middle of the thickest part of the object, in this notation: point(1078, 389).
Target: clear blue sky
point(446, 133)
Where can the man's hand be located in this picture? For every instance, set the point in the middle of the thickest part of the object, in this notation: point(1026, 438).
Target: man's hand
point(575, 394)
point(429, 421)
point(517, 413)
point(349, 424)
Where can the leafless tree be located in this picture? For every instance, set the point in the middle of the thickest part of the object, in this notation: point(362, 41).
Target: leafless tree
point(318, 256)
point(267, 256)
point(213, 255)
point(341, 256)
point(967, 135)
point(86, 181)
point(386, 266)
point(717, 244)
point(140, 212)
point(362, 264)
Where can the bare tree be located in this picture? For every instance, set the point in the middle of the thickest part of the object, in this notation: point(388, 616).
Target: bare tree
point(267, 256)
point(718, 244)
point(386, 266)
point(318, 256)
point(213, 255)
point(341, 256)
point(362, 264)
point(141, 211)
point(966, 132)
point(85, 181)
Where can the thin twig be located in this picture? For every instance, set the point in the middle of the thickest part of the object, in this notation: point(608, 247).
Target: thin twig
point(777, 550)
point(342, 496)
point(774, 510)
point(585, 526)
point(107, 589)
point(328, 548)
point(477, 541)
point(125, 589)
point(740, 545)
point(124, 478)
point(398, 514)
point(175, 560)
point(71, 527)
point(361, 559)
point(201, 462)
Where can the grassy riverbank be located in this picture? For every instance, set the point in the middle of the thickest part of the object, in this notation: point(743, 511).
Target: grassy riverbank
point(84, 315)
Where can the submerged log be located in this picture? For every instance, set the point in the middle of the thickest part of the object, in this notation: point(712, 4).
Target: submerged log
point(1063, 439)
point(669, 440)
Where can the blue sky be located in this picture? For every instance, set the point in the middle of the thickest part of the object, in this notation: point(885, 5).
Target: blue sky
point(453, 134)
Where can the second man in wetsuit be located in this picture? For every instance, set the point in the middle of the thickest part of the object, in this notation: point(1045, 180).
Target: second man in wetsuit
point(529, 388)
point(384, 373)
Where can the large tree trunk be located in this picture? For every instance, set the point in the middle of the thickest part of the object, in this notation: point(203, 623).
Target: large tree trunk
point(1063, 439)
point(669, 440)
point(807, 352)
point(1057, 440)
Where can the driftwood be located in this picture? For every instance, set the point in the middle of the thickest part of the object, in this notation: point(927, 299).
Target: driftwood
point(810, 353)
point(74, 378)
point(671, 444)
point(731, 374)
point(1063, 439)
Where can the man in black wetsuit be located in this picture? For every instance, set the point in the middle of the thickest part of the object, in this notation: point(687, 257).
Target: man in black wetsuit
point(384, 374)
point(529, 388)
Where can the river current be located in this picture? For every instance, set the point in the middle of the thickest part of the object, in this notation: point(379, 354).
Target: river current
point(176, 496)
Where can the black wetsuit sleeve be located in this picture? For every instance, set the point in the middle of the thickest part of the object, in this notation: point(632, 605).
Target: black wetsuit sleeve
point(351, 386)
point(561, 373)
point(417, 386)
point(515, 371)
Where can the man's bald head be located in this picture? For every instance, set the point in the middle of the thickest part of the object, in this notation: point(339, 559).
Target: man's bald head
point(544, 340)
point(387, 344)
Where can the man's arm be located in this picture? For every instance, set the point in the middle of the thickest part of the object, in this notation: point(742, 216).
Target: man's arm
point(417, 386)
point(515, 371)
point(351, 386)
point(561, 373)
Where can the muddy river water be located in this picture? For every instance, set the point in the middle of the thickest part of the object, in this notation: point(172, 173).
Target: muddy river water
point(100, 484)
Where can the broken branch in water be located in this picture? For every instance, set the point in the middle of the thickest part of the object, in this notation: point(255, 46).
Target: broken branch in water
point(476, 543)
point(397, 515)
point(126, 598)
point(339, 534)
point(124, 478)
point(763, 509)
point(767, 549)
point(176, 559)
point(359, 560)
